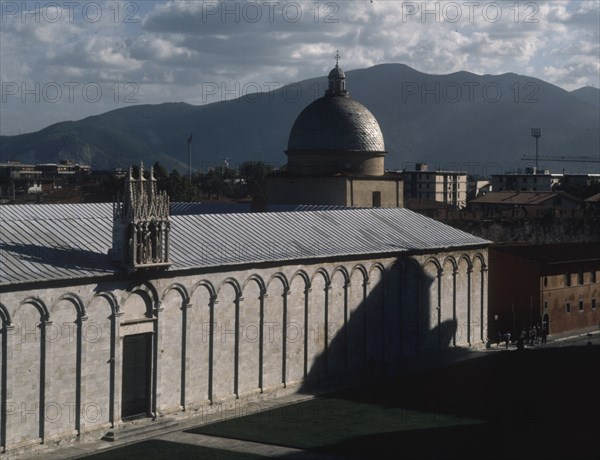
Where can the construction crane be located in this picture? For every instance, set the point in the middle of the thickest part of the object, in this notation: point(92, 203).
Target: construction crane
point(572, 159)
point(537, 133)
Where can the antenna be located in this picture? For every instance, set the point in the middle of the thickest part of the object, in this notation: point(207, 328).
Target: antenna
point(537, 133)
point(189, 141)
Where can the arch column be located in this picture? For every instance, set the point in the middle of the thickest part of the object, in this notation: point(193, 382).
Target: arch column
point(261, 339)
point(185, 307)
point(469, 274)
point(347, 286)
point(456, 327)
point(365, 305)
point(155, 373)
point(116, 370)
point(80, 386)
point(236, 346)
point(45, 352)
point(211, 346)
point(440, 273)
point(327, 295)
point(484, 299)
point(7, 328)
point(284, 336)
point(306, 329)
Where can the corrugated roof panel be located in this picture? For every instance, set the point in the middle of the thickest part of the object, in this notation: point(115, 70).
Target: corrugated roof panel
point(46, 242)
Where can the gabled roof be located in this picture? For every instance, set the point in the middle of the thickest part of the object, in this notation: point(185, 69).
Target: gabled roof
point(522, 198)
point(594, 198)
point(52, 242)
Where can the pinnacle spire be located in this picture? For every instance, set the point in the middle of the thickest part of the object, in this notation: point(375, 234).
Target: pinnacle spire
point(337, 79)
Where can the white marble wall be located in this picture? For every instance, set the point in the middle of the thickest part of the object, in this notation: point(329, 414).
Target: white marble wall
point(224, 335)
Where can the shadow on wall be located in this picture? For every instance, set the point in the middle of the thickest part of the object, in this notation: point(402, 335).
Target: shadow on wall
point(397, 316)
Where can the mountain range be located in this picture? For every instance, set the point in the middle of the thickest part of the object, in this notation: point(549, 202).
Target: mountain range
point(478, 123)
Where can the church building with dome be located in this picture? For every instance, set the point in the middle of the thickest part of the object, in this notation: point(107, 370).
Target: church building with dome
point(336, 155)
point(125, 316)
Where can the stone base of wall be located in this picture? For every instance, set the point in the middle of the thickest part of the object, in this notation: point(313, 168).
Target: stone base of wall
point(249, 403)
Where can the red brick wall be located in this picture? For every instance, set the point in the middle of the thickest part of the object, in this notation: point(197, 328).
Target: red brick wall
point(556, 294)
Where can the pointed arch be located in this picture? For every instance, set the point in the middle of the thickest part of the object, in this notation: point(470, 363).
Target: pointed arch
point(374, 316)
point(296, 327)
point(447, 303)
point(467, 259)
point(145, 287)
point(337, 319)
point(273, 332)
point(4, 315)
point(397, 264)
point(323, 272)
point(463, 299)
point(33, 365)
point(234, 284)
point(110, 297)
point(481, 259)
point(102, 310)
point(180, 288)
point(452, 260)
point(38, 304)
point(478, 297)
point(262, 286)
point(412, 300)
point(433, 260)
point(75, 300)
point(412, 262)
point(225, 350)
point(249, 325)
point(205, 284)
point(361, 268)
point(200, 342)
point(343, 270)
point(302, 274)
point(65, 354)
point(377, 266)
point(281, 277)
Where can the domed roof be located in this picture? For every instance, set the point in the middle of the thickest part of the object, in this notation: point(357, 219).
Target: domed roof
point(336, 122)
point(337, 72)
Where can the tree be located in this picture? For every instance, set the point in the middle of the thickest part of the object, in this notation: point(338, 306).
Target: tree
point(254, 174)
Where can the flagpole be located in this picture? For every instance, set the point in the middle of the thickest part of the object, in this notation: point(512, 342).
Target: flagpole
point(190, 157)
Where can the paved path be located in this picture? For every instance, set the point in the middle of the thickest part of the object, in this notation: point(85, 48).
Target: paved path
point(235, 445)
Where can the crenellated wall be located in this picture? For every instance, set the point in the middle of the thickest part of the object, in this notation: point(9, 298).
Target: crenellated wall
point(223, 335)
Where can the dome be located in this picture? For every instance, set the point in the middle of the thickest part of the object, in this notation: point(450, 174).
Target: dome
point(337, 72)
point(336, 135)
point(336, 122)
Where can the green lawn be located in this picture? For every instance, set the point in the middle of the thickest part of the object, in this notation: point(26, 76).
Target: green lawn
point(540, 403)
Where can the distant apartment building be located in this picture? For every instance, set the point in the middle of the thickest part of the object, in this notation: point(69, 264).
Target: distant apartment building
point(448, 187)
point(478, 188)
point(17, 178)
point(576, 182)
point(558, 284)
point(518, 204)
point(527, 182)
point(540, 182)
point(593, 202)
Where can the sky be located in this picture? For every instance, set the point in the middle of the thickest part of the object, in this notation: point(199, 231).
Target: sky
point(65, 60)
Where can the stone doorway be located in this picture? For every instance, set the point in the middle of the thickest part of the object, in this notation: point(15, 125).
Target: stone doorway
point(135, 396)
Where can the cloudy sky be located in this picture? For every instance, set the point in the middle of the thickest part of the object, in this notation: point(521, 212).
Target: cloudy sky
point(64, 60)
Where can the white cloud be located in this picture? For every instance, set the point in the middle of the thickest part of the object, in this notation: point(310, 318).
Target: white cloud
point(170, 49)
